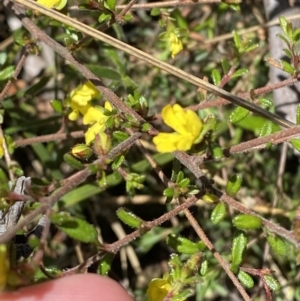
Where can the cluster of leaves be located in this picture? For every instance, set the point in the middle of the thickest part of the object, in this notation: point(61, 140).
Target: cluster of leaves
point(117, 168)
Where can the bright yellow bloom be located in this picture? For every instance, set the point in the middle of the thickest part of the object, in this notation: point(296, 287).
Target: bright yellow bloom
point(187, 126)
point(158, 289)
point(1, 147)
point(175, 44)
point(58, 4)
point(95, 116)
point(80, 98)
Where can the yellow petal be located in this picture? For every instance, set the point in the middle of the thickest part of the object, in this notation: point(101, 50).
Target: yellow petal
point(94, 114)
point(175, 44)
point(60, 4)
point(92, 131)
point(108, 106)
point(48, 3)
point(170, 142)
point(158, 289)
point(184, 122)
point(83, 94)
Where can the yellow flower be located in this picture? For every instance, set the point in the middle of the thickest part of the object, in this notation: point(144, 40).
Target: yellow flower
point(175, 44)
point(1, 147)
point(80, 98)
point(158, 289)
point(58, 4)
point(187, 126)
point(95, 116)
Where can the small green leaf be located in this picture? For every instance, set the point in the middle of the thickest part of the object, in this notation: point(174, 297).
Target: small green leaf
point(7, 73)
point(298, 115)
point(287, 67)
point(246, 222)
point(105, 264)
point(225, 66)
point(239, 72)
point(184, 245)
point(266, 129)
point(277, 245)
point(155, 12)
point(118, 162)
point(234, 184)
point(73, 162)
point(284, 24)
point(3, 58)
point(111, 4)
point(104, 72)
point(216, 77)
point(295, 143)
point(216, 150)
point(236, 39)
point(218, 213)
point(204, 268)
point(265, 103)
point(129, 218)
point(184, 183)
point(146, 127)
point(169, 192)
point(105, 16)
point(238, 114)
point(75, 227)
point(210, 198)
point(237, 251)
point(57, 106)
point(283, 38)
point(272, 283)
point(120, 136)
point(245, 279)
point(180, 176)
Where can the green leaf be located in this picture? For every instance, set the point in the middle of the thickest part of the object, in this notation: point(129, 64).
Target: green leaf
point(245, 279)
point(118, 162)
point(284, 24)
point(120, 136)
point(218, 213)
point(155, 12)
point(129, 218)
point(295, 143)
point(216, 150)
point(237, 251)
point(265, 103)
point(75, 227)
point(7, 73)
point(105, 264)
point(184, 245)
point(283, 38)
point(237, 40)
point(272, 283)
point(238, 114)
point(225, 66)
point(3, 58)
point(216, 77)
point(169, 192)
point(246, 222)
point(239, 72)
point(57, 106)
point(104, 72)
point(105, 16)
point(204, 268)
point(111, 4)
point(266, 129)
point(234, 184)
point(287, 67)
point(277, 245)
point(73, 162)
point(298, 115)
